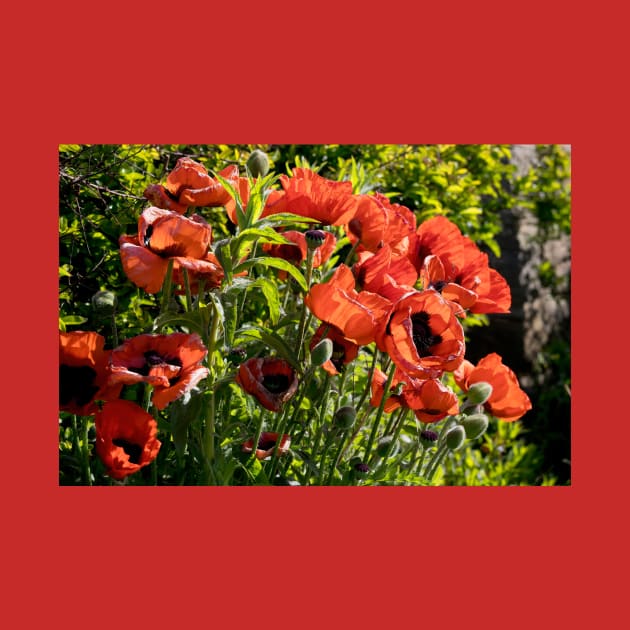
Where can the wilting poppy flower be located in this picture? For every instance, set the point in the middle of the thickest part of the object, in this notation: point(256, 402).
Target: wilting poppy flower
point(272, 381)
point(170, 363)
point(84, 375)
point(126, 438)
point(429, 399)
point(422, 335)
point(355, 314)
point(344, 350)
point(163, 236)
point(267, 444)
point(508, 401)
point(308, 194)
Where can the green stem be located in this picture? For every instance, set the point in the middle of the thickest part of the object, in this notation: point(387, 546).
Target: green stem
point(323, 459)
point(435, 462)
point(351, 253)
point(379, 413)
point(368, 382)
point(209, 430)
point(337, 457)
point(302, 326)
point(167, 287)
point(189, 302)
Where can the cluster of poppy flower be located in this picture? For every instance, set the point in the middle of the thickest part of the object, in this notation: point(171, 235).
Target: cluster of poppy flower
point(407, 293)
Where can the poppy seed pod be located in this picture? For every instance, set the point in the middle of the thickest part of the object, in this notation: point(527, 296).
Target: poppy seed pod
point(258, 163)
point(475, 425)
point(479, 392)
point(345, 417)
point(322, 352)
point(104, 303)
point(455, 438)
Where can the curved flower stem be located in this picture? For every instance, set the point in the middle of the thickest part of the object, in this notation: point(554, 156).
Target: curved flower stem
point(379, 413)
point(398, 428)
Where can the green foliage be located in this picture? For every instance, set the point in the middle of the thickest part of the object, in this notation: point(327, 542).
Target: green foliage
point(101, 197)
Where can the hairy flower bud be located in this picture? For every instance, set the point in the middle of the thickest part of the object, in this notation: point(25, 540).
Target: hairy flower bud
point(314, 238)
point(428, 438)
point(258, 163)
point(479, 393)
point(345, 417)
point(475, 425)
point(384, 445)
point(104, 303)
point(322, 352)
point(455, 438)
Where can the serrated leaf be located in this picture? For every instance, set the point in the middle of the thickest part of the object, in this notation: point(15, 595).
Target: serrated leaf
point(73, 320)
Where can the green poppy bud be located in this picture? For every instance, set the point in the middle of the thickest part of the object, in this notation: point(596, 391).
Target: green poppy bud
point(258, 163)
point(322, 352)
point(455, 438)
point(475, 425)
point(104, 303)
point(383, 445)
point(345, 417)
point(479, 393)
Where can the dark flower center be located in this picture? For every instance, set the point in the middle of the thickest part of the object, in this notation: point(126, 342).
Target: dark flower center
point(76, 384)
point(133, 450)
point(338, 356)
point(431, 412)
point(153, 359)
point(428, 435)
point(439, 285)
point(422, 336)
point(265, 444)
point(276, 383)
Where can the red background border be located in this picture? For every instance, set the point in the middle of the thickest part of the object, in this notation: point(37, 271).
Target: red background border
point(340, 557)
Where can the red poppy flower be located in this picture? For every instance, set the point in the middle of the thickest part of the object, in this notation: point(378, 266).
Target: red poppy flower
point(422, 335)
point(190, 184)
point(162, 236)
point(355, 314)
point(267, 444)
point(307, 194)
point(272, 381)
point(159, 197)
point(344, 350)
point(377, 272)
point(508, 401)
point(377, 222)
point(126, 438)
point(441, 237)
point(84, 375)
point(429, 399)
point(170, 363)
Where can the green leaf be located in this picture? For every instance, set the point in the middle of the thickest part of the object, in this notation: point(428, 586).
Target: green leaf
point(181, 416)
point(278, 263)
point(73, 320)
point(270, 291)
point(271, 339)
point(192, 321)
